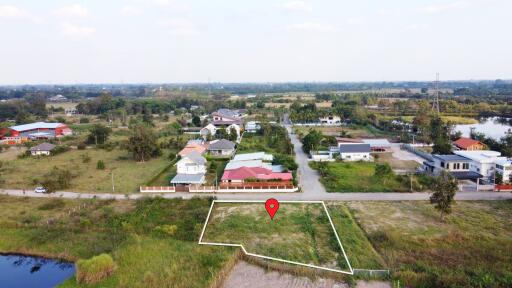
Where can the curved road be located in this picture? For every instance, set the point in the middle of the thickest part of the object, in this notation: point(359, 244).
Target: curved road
point(312, 189)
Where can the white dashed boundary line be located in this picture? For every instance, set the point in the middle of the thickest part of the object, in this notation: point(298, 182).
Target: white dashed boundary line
point(351, 272)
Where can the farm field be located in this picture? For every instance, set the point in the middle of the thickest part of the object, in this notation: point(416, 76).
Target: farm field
point(299, 232)
point(472, 248)
point(26, 173)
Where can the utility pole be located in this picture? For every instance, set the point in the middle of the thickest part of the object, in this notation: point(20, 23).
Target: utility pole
point(113, 187)
point(435, 104)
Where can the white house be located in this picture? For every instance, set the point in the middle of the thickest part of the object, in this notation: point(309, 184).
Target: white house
point(193, 163)
point(221, 147)
point(42, 149)
point(504, 167)
point(482, 161)
point(355, 152)
point(209, 129)
point(330, 120)
point(252, 126)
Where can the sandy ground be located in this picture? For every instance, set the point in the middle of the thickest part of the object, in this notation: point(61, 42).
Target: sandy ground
point(404, 154)
point(245, 275)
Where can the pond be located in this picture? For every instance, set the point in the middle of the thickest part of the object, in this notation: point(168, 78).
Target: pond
point(494, 127)
point(25, 271)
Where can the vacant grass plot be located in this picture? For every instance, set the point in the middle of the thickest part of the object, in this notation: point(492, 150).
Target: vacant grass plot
point(26, 173)
point(153, 242)
point(299, 232)
point(472, 248)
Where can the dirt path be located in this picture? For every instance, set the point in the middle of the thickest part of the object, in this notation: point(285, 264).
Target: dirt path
point(245, 275)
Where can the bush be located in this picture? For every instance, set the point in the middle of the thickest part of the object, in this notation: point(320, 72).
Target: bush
point(95, 269)
point(166, 230)
point(52, 204)
point(84, 120)
point(100, 165)
point(81, 146)
point(56, 179)
point(59, 149)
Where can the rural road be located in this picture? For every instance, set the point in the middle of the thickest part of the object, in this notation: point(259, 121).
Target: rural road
point(312, 189)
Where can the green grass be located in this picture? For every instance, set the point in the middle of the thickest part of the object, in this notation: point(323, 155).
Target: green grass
point(298, 232)
point(128, 174)
point(472, 248)
point(128, 231)
point(341, 177)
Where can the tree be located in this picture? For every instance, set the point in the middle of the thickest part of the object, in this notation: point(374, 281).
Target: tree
point(440, 135)
point(233, 134)
point(311, 140)
point(444, 187)
point(100, 165)
point(196, 121)
point(498, 178)
point(142, 143)
point(98, 134)
point(221, 133)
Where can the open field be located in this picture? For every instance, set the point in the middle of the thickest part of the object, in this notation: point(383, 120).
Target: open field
point(353, 131)
point(395, 163)
point(472, 248)
point(446, 118)
point(11, 153)
point(132, 232)
point(299, 232)
point(128, 175)
point(339, 177)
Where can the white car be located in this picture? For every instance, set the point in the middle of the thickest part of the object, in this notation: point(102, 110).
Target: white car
point(40, 189)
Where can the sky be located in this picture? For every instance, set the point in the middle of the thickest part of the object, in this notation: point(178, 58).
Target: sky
point(175, 41)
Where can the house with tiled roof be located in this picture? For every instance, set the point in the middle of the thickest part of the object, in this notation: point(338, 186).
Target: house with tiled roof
point(192, 147)
point(254, 174)
point(468, 144)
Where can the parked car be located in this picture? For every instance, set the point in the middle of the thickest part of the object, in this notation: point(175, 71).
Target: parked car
point(40, 189)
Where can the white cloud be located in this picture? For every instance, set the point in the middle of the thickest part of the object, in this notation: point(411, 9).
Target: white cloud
point(297, 6)
point(16, 13)
point(444, 7)
point(72, 11)
point(311, 27)
point(130, 10)
point(76, 31)
point(417, 27)
point(179, 26)
point(355, 20)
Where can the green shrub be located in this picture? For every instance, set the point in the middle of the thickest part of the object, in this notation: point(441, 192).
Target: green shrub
point(52, 204)
point(168, 230)
point(100, 165)
point(81, 146)
point(95, 269)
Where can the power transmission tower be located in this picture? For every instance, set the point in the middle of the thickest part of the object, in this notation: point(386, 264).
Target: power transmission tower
point(435, 104)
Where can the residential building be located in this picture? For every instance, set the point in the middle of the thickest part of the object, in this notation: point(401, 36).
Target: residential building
point(254, 174)
point(209, 129)
point(504, 167)
point(192, 147)
point(192, 163)
point(42, 149)
point(221, 147)
point(482, 161)
point(250, 163)
point(38, 130)
point(355, 152)
point(330, 120)
point(252, 126)
point(254, 156)
point(468, 144)
point(458, 166)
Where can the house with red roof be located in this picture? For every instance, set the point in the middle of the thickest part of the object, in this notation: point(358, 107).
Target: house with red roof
point(254, 174)
point(468, 144)
point(192, 147)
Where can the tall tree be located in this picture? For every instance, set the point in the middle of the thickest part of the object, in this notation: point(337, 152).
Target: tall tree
point(196, 121)
point(440, 135)
point(444, 187)
point(98, 134)
point(142, 143)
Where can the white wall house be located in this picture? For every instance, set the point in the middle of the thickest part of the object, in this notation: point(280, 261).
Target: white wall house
point(483, 161)
point(193, 163)
point(504, 167)
point(209, 129)
point(355, 152)
point(330, 120)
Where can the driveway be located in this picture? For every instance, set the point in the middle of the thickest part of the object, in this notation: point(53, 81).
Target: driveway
point(403, 154)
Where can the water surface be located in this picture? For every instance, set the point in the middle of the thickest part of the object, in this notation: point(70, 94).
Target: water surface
point(18, 271)
point(494, 127)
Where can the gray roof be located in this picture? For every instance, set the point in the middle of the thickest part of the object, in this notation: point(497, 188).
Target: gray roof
point(188, 179)
point(221, 144)
point(451, 158)
point(195, 157)
point(466, 175)
point(355, 148)
point(36, 125)
point(43, 147)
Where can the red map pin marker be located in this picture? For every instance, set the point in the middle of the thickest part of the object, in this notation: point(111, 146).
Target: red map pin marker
point(272, 205)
